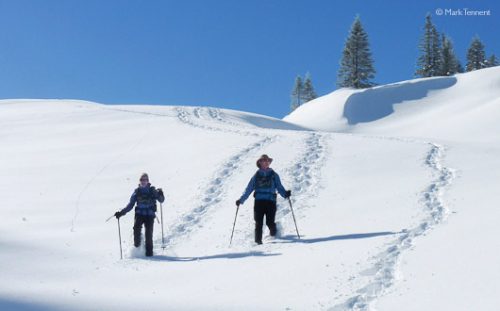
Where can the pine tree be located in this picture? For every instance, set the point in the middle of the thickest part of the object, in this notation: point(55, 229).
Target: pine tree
point(429, 62)
point(493, 61)
point(356, 67)
point(309, 93)
point(460, 68)
point(449, 61)
point(475, 55)
point(297, 94)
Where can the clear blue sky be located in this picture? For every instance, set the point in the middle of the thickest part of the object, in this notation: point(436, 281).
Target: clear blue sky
point(233, 54)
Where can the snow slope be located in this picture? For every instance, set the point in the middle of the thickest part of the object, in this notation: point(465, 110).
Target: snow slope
point(362, 203)
point(465, 107)
point(455, 267)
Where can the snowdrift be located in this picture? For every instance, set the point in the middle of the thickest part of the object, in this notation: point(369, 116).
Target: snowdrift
point(465, 107)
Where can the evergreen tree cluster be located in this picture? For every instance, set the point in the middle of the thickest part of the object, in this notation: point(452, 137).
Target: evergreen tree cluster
point(438, 57)
point(303, 91)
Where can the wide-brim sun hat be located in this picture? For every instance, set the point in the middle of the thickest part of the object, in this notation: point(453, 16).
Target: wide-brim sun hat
point(263, 157)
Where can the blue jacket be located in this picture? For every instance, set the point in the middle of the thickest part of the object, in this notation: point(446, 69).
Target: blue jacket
point(146, 198)
point(264, 183)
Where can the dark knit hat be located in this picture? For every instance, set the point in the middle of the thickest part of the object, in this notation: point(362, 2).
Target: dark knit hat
point(144, 175)
point(264, 157)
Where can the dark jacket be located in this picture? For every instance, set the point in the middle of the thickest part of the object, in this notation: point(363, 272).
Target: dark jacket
point(146, 198)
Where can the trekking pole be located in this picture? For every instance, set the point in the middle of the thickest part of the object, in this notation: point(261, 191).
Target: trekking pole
point(293, 215)
point(162, 235)
point(120, 237)
point(234, 224)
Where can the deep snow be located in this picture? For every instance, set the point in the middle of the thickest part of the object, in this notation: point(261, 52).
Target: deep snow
point(393, 215)
point(462, 108)
point(455, 267)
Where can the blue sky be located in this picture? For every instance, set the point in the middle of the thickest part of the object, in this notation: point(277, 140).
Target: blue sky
point(233, 54)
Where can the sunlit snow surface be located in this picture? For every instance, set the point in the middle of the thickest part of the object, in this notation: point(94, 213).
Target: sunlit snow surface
point(397, 209)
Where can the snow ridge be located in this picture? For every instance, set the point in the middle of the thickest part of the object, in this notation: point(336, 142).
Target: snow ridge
point(385, 269)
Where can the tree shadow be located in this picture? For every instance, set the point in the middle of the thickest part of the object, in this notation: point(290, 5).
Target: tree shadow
point(376, 103)
point(211, 257)
point(355, 236)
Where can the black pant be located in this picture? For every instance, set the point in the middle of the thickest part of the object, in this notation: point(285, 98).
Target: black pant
point(261, 208)
point(148, 222)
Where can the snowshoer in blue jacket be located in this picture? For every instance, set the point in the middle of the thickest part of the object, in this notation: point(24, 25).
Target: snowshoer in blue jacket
point(264, 184)
point(144, 198)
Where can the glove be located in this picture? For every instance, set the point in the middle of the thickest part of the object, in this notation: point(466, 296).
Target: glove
point(160, 192)
point(119, 214)
point(238, 203)
point(288, 194)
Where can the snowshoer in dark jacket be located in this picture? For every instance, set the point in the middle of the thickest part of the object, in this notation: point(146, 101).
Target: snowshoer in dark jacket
point(144, 198)
point(264, 184)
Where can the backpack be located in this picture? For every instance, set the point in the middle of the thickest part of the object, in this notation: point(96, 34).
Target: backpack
point(264, 181)
point(146, 198)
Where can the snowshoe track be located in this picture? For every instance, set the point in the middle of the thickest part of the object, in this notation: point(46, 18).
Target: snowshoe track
point(213, 115)
point(385, 268)
point(213, 192)
point(304, 176)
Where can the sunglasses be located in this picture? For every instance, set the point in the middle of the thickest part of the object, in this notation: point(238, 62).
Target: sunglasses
point(143, 179)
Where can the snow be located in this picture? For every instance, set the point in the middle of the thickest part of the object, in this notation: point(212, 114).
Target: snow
point(454, 266)
point(461, 108)
point(395, 204)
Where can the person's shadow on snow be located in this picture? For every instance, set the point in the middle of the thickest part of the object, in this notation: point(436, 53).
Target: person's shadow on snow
point(294, 239)
point(211, 257)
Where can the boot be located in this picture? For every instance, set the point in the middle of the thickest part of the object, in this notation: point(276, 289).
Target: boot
point(258, 235)
point(273, 230)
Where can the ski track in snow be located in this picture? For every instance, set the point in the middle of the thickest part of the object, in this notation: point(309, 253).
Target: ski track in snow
point(385, 269)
